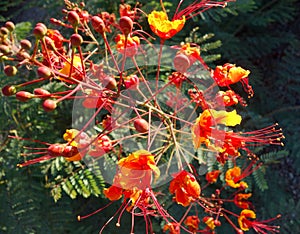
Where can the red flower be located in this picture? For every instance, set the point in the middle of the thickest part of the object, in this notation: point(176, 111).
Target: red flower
point(233, 177)
point(212, 176)
point(131, 44)
point(230, 74)
point(245, 222)
point(185, 187)
point(100, 146)
point(192, 222)
point(240, 200)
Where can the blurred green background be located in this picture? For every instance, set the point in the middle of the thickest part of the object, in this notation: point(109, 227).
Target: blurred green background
point(260, 35)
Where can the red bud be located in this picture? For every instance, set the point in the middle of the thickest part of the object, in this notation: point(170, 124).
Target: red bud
point(10, 70)
point(41, 92)
point(24, 96)
point(25, 44)
point(73, 18)
point(109, 82)
point(10, 26)
point(44, 72)
point(141, 125)
point(98, 24)
point(9, 90)
point(49, 105)
point(76, 40)
point(181, 63)
point(126, 25)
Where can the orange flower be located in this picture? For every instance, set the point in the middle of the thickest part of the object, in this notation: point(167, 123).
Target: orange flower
point(185, 187)
point(246, 223)
point(162, 26)
point(101, 146)
point(210, 222)
point(240, 200)
point(227, 98)
point(243, 221)
point(192, 222)
point(56, 37)
point(131, 44)
point(136, 170)
point(233, 176)
point(97, 99)
point(76, 70)
point(173, 228)
point(134, 176)
point(230, 74)
point(209, 118)
point(212, 176)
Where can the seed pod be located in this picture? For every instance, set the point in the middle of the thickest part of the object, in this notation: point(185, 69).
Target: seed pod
point(49, 105)
point(141, 125)
point(10, 70)
point(9, 90)
point(24, 96)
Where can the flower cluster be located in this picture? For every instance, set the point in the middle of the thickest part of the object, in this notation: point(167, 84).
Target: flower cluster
point(152, 125)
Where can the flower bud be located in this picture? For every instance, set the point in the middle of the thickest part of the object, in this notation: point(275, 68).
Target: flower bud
point(24, 96)
point(41, 92)
point(73, 18)
point(141, 125)
point(9, 90)
point(49, 105)
point(109, 82)
point(25, 44)
point(4, 49)
point(181, 63)
point(40, 30)
point(4, 30)
point(44, 72)
point(76, 40)
point(10, 70)
point(126, 25)
point(98, 24)
point(10, 26)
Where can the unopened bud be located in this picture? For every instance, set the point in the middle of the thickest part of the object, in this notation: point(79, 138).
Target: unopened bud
point(10, 70)
point(98, 24)
point(44, 72)
point(76, 40)
point(40, 30)
point(109, 82)
point(141, 125)
point(126, 25)
point(10, 26)
point(25, 44)
point(24, 96)
point(4, 30)
point(4, 49)
point(181, 63)
point(73, 18)
point(9, 90)
point(41, 92)
point(49, 105)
